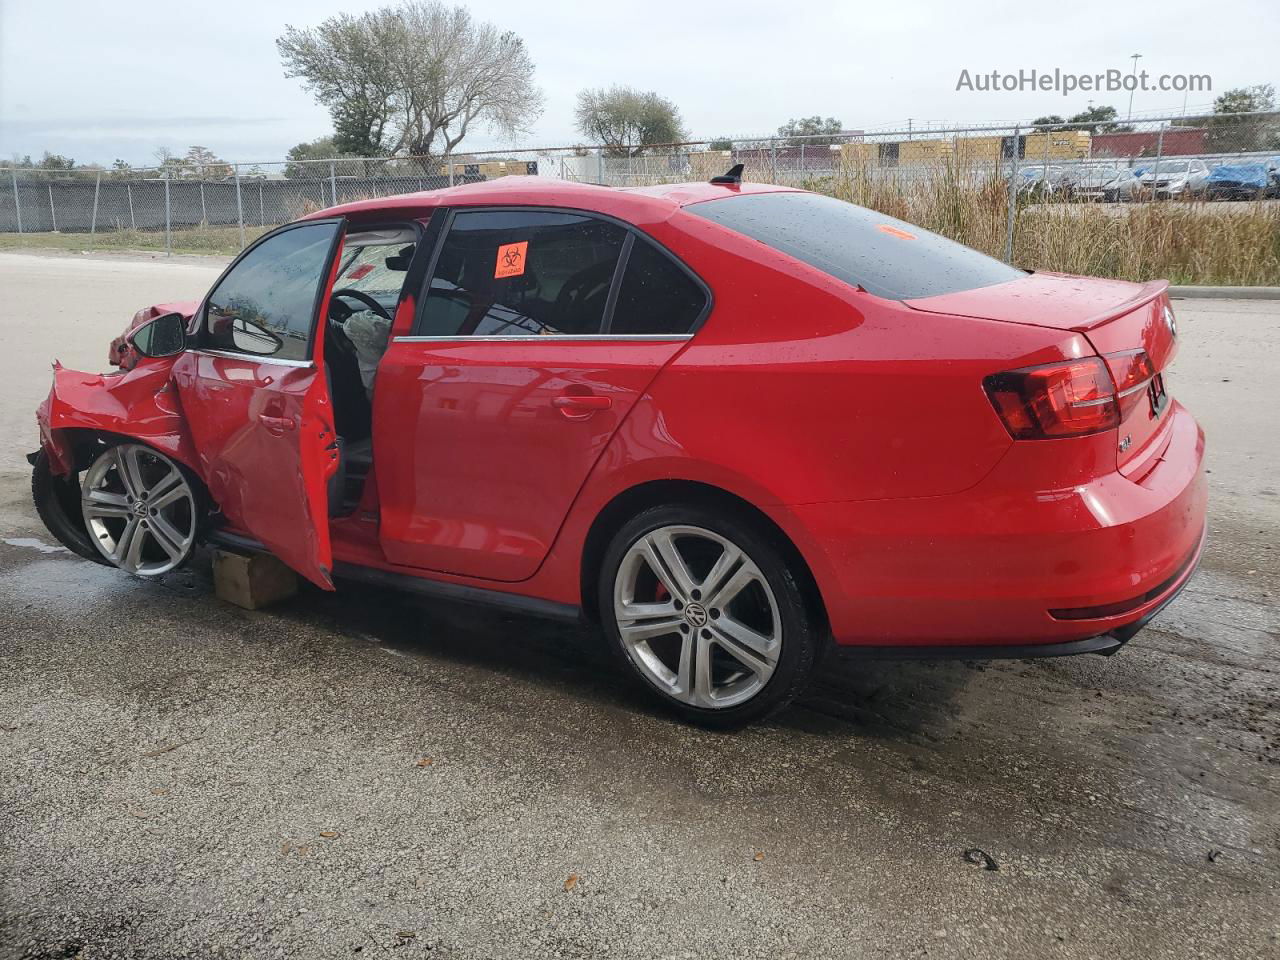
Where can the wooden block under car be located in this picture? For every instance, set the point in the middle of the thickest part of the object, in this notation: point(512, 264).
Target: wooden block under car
point(252, 581)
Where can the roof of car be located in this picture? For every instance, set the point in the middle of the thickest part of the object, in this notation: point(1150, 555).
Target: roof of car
point(650, 203)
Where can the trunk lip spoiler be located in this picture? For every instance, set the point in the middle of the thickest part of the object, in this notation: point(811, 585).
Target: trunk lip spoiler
point(1144, 294)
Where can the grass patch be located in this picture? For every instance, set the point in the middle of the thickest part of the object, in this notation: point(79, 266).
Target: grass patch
point(1188, 243)
point(1185, 243)
point(224, 241)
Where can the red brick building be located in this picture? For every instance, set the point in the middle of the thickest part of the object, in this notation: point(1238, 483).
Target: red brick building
point(1178, 141)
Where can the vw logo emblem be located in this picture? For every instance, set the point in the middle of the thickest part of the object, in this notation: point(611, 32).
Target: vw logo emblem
point(696, 614)
point(1170, 322)
point(140, 508)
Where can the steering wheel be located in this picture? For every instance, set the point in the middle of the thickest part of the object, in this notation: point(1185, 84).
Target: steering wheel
point(360, 296)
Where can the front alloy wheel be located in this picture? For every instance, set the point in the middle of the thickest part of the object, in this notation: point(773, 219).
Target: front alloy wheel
point(705, 610)
point(139, 509)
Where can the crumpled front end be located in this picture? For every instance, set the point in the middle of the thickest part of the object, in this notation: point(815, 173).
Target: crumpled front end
point(121, 352)
point(141, 402)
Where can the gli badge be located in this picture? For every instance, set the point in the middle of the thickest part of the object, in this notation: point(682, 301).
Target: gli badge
point(1170, 322)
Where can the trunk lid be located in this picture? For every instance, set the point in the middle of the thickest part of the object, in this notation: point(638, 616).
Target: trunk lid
point(1118, 319)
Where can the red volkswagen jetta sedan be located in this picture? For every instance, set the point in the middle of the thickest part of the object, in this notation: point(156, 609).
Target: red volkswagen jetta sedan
point(736, 425)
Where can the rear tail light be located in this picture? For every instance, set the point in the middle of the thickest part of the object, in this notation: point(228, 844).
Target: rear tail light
point(1070, 399)
point(1132, 371)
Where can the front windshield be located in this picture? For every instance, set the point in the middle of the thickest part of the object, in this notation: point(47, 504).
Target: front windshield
point(1169, 166)
point(375, 262)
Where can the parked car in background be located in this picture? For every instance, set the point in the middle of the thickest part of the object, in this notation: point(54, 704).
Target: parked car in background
point(1107, 182)
point(736, 426)
point(1238, 181)
point(1174, 179)
point(1042, 181)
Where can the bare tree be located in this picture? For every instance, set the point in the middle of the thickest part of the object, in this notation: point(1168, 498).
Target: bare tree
point(203, 163)
point(414, 78)
point(626, 121)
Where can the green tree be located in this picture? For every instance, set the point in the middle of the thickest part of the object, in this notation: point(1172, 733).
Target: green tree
point(320, 149)
point(1047, 123)
point(1228, 130)
point(627, 122)
point(56, 161)
point(812, 131)
point(414, 78)
point(1100, 119)
point(1228, 127)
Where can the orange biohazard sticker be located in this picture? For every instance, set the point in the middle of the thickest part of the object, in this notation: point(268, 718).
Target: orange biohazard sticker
point(511, 258)
point(896, 232)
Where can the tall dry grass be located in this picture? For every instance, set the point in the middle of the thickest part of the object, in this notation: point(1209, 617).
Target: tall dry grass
point(1193, 243)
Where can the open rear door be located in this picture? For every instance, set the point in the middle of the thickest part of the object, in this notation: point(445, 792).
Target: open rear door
point(256, 398)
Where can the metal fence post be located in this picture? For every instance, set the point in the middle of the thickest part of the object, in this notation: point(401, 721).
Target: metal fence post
point(239, 206)
point(128, 189)
point(1155, 171)
point(333, 185)
point(93, 224)
point(1047, 138)
point(53, 217)
point(17, 204)
point(448, 161)
point(168, 236)
point(600, 166)
point(1013, 194)
point(204, 214)
point(262, 208)
point(773, 159)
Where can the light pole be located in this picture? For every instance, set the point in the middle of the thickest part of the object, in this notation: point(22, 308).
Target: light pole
point(1135, 58)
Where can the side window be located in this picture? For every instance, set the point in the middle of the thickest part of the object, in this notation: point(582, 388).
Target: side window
point(521, 273)
point(267, 304)
point(656, 296)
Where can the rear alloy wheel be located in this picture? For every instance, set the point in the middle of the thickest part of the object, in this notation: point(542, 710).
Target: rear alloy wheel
point(708, 615)
point(139, 509)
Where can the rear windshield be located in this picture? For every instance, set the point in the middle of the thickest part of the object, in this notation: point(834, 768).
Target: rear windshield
point(887, 257)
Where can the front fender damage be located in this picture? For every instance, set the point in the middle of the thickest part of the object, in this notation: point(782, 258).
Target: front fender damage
point(141, 403)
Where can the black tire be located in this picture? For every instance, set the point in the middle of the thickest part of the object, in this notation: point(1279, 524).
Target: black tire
point(57, 501)
point(801, 625)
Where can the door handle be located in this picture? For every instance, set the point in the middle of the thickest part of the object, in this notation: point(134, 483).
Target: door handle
point(580, 407)
point(276, 425)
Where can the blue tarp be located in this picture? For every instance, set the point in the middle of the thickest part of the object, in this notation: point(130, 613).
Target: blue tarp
point(1250, 175)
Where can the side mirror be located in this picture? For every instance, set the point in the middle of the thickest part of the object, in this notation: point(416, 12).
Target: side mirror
point(165, 336)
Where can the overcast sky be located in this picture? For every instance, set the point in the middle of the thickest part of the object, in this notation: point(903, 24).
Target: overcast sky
point(97, 81)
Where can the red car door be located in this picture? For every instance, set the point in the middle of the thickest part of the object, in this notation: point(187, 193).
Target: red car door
point(255, 397)
point(539, 331)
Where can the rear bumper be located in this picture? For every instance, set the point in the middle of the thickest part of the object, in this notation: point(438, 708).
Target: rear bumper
point(1104, 644)
point(1000, 570)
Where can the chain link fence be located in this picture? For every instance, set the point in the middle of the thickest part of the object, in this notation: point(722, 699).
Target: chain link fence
point(1003, 189)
